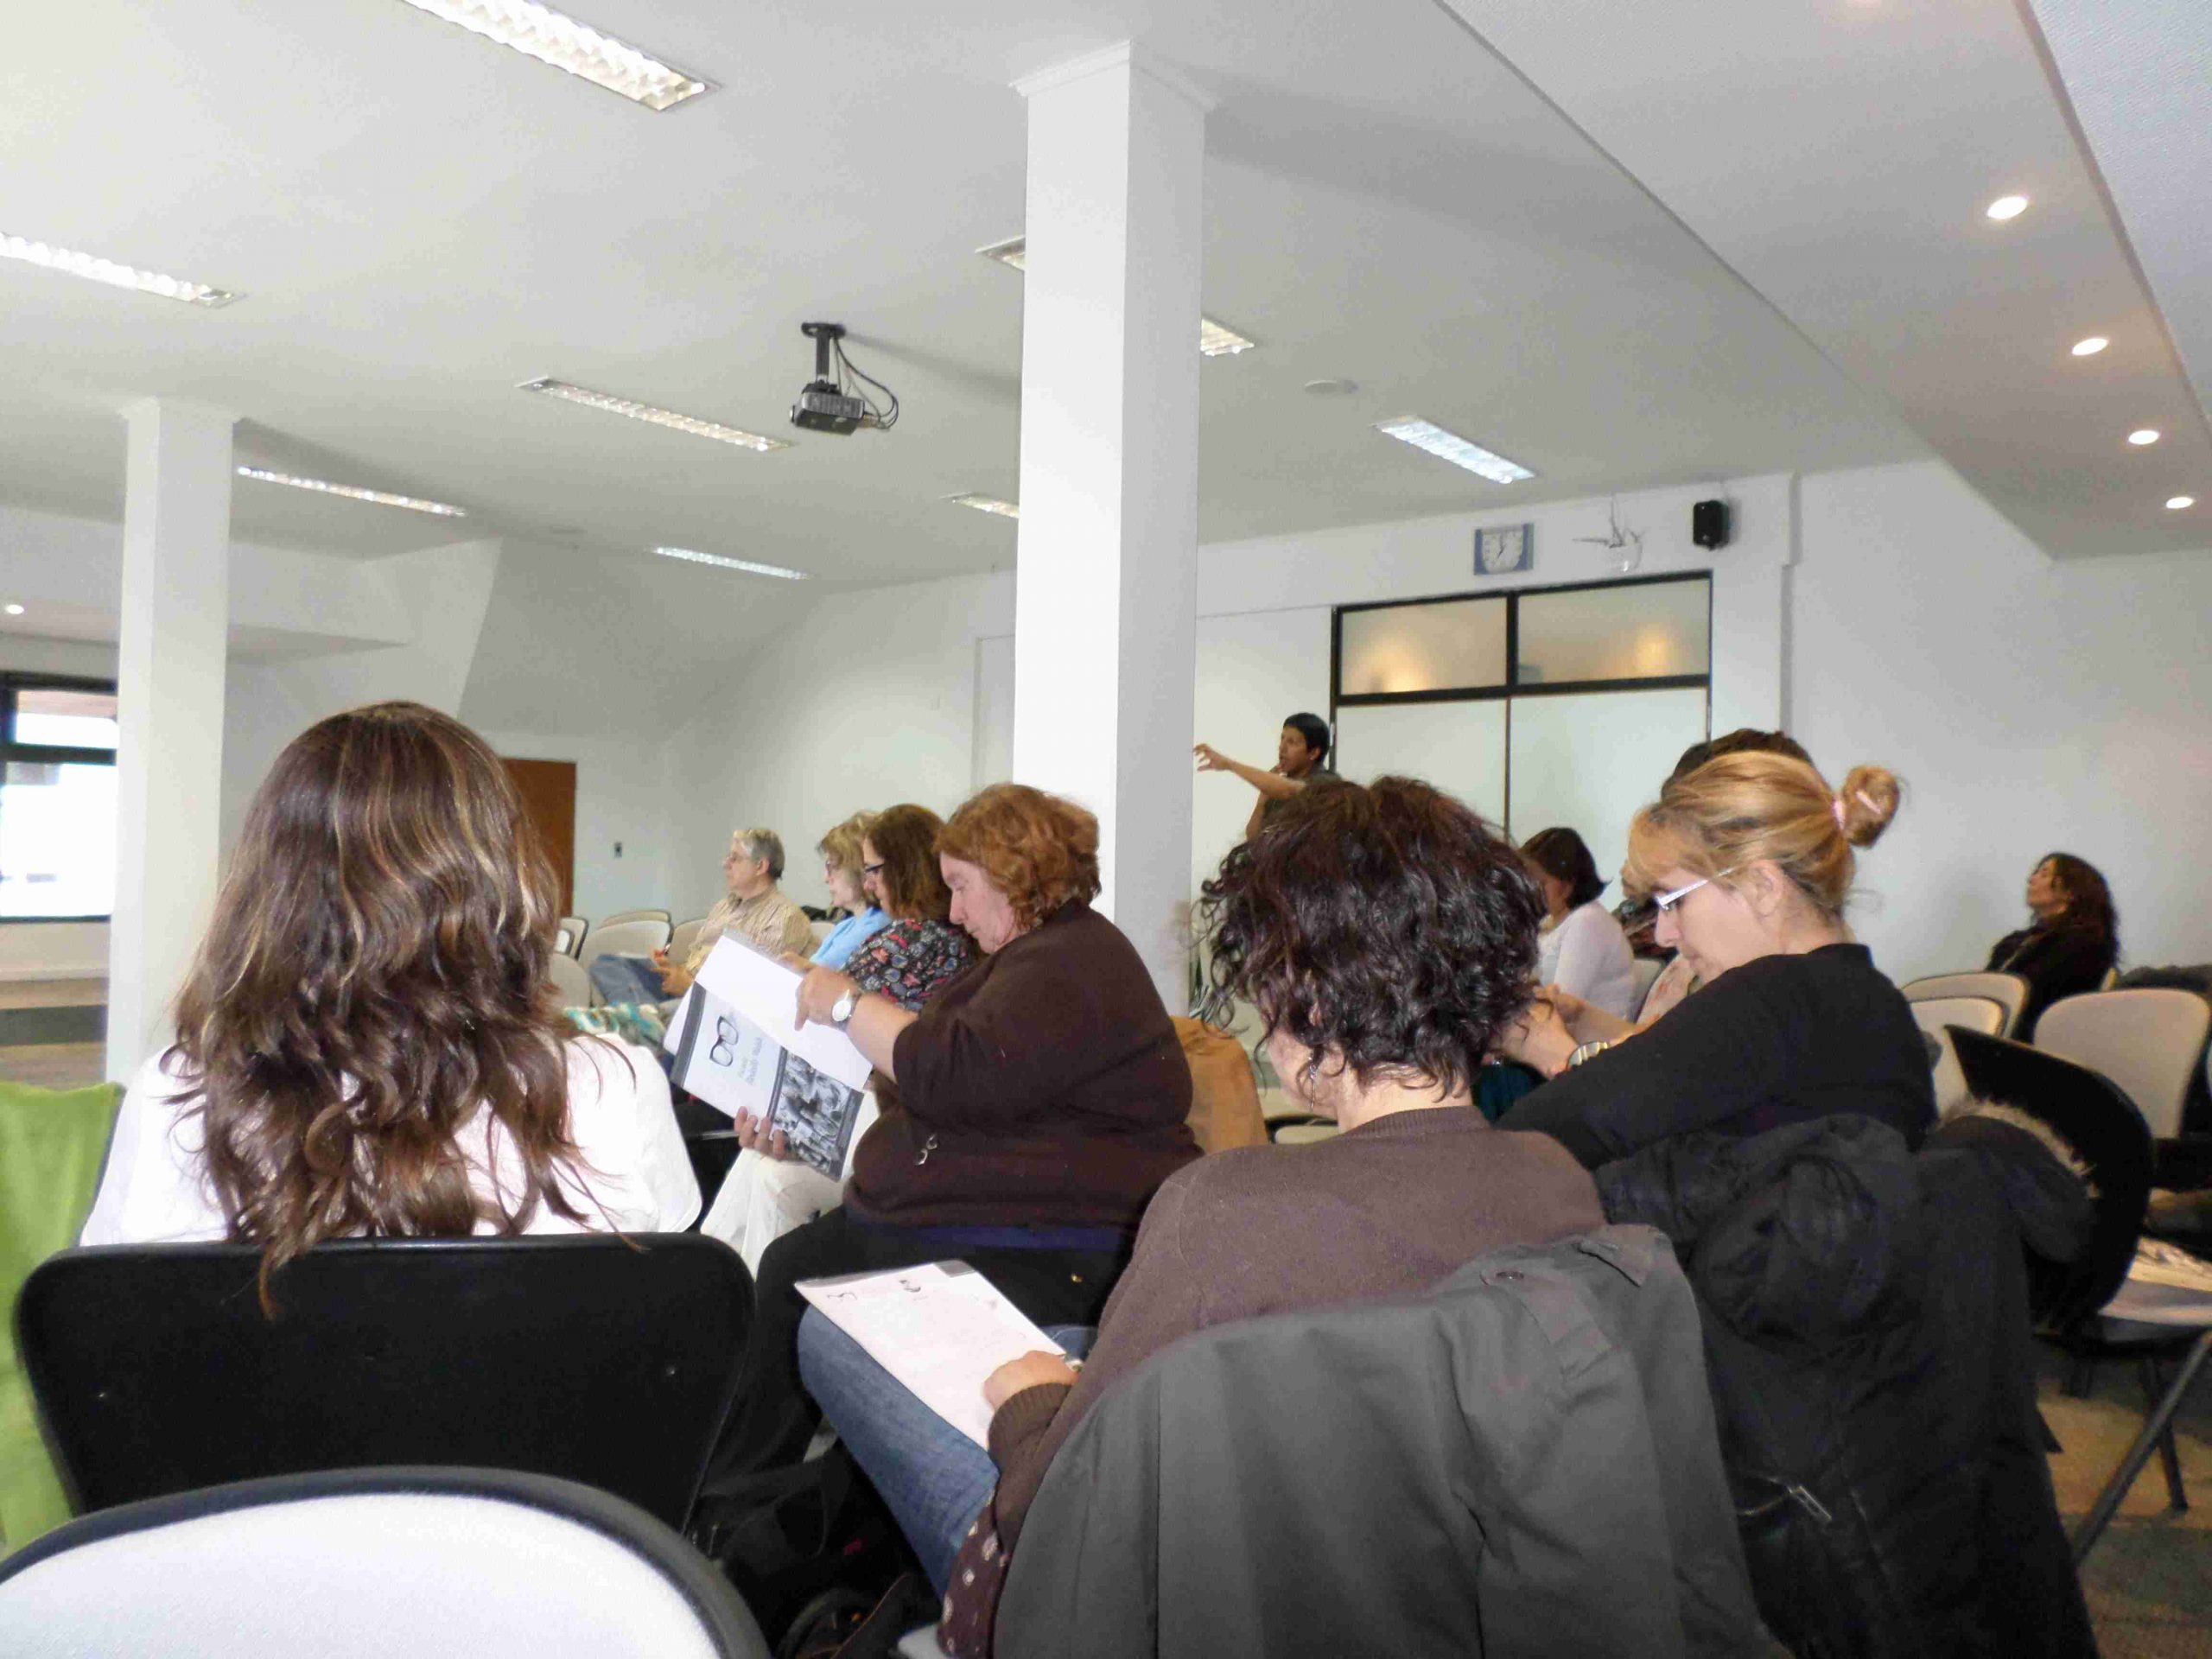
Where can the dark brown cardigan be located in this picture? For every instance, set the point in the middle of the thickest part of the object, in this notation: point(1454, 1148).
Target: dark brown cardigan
point(1046, 1085)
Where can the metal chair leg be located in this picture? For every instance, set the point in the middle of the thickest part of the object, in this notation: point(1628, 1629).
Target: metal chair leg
point(2169, 1454)
point(2079, 1376)
point(2157, 1426)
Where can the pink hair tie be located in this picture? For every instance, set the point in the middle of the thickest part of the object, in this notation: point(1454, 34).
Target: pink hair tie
point(1835, 808)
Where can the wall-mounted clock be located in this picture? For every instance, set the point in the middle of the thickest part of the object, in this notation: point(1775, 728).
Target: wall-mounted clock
point(1503, 548)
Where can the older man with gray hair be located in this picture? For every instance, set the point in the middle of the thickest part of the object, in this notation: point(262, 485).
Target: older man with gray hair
point(753, 909)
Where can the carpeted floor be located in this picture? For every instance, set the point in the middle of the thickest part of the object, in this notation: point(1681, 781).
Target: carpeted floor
point(2149, 1580)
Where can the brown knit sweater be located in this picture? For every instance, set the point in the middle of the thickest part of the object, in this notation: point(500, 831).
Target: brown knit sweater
point(1044, 1087)
point(1387, 1209)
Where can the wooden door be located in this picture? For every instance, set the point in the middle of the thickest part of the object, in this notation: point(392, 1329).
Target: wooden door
point(549, 795)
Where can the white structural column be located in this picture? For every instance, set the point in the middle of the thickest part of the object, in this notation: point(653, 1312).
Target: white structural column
point(177, 536)
point(1105, 599)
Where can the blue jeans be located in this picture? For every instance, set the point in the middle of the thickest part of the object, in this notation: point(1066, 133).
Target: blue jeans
point(934, 1480)
point(626, 979)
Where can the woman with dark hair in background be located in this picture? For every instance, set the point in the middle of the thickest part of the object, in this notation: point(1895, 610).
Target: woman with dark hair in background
point(2070, 944)
point(1581, 949)
point(367, 1044)
point(1385, 935)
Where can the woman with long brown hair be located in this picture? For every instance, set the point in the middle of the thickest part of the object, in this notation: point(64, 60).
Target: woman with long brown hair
point(367, 1044)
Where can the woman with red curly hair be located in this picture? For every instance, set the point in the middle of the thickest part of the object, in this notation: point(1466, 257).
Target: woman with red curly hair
point(1031, 1107)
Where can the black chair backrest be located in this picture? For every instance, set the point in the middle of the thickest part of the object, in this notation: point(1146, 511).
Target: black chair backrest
point(592, 1358)
point(2090, 1112)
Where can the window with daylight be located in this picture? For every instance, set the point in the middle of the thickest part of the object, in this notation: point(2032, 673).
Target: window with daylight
point(57, 799)
point(1537, 706)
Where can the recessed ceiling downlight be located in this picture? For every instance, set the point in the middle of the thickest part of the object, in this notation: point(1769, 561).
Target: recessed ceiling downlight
point(2007, 207)
point(17, 610)
point(540, 32)
point(2142, 435)
point(722, 563)
point(2090, 346)
point(2174, 504)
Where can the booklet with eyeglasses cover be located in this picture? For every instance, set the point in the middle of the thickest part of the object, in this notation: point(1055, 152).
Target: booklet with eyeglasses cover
point(736, 1049)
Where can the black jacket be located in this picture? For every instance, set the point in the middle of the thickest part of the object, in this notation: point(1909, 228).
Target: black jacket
point(1520, 1463)
point(1866, 1329)
point(2058, 961)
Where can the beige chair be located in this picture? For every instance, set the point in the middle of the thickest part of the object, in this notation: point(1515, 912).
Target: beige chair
point(570, 940)
point(821, 930)
point(569, 979)
point(2008, 991)
point(2147, 1041)
point(633, 938)
point(684, 936)
point(1936, 1016)
point(635, 916)
point(1299, 1134)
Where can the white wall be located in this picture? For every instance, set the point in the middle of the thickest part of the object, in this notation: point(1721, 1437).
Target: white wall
point(864, 700)
point(1254, 667)
point(2031, 707)
point(621, 798)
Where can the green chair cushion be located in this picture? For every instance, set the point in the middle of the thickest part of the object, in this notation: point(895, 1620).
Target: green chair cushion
point(53, 1143)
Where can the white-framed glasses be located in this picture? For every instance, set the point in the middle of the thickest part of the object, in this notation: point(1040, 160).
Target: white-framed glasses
point(1665, 902)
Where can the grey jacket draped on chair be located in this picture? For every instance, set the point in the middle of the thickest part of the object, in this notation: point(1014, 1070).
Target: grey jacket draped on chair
point(1520, 1463)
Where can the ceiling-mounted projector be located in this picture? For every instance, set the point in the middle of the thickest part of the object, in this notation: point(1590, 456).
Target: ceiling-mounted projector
point(824, 403)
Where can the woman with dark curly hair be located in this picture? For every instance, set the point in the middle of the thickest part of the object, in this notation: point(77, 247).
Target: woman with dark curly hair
point(2072, 939)
point(1386, 935)
point(1029, 1110)
point(367, 1044)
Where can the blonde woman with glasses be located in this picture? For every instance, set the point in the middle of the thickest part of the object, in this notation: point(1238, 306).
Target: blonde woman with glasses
point(1750, 861)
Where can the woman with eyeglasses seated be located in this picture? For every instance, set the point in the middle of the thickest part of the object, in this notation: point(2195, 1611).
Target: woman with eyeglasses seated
point(367, 1044)
point(914, 953)
point(1749, 859)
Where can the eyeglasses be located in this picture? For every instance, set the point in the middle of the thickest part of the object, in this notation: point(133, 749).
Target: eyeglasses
point(1665, 902)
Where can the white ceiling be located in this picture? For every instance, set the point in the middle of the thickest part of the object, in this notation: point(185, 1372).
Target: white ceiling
point(419, 220)
point(1838, 155)
point(1628, 246)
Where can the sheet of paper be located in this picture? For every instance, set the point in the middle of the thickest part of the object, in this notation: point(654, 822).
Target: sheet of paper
point(940, 1329)
point(767, 993)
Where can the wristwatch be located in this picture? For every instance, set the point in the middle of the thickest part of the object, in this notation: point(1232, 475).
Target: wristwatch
point(841, 1009)
point(1585, 1051)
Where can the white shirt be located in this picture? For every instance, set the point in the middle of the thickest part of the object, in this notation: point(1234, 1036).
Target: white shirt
point(1587, 954)
point(156, 1191)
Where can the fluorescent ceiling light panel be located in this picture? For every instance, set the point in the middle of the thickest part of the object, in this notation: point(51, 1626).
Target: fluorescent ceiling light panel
point(722, 563)
point(95, 270)
point(988, 504)
point(544, 34)
point(322, 487)
point(669, 418)
point(1450, 446)
point(1214, 340)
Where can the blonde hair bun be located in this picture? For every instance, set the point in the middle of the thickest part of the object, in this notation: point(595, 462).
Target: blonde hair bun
point(1870, 797)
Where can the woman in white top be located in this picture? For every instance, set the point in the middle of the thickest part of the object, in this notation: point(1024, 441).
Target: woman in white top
point(1581, 948)
point(367, 1044)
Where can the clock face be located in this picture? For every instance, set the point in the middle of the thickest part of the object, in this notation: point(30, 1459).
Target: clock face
point(1502, 549)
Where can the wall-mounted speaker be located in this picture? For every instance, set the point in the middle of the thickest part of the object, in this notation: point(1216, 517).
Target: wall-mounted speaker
point(1709, 524)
